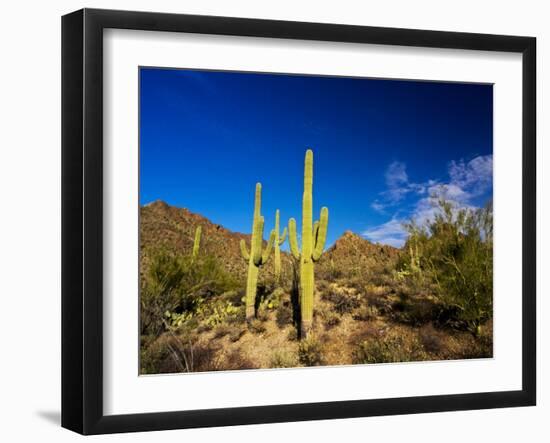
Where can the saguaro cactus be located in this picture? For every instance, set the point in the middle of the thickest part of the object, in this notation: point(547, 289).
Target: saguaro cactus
point(314, 236)
point(278, 243)
point(196, 243)
point(256, 258)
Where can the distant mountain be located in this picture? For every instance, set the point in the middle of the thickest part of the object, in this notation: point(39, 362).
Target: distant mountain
point(173, 229)
point(352, 253)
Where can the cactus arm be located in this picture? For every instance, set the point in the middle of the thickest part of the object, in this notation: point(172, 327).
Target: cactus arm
point(321, 237)
point(267, 250)
point(257, 238)
point(292, 239)
point(244, 250)
point(283, 237)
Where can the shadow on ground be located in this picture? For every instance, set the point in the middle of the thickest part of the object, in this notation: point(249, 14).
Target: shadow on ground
point(54, 417)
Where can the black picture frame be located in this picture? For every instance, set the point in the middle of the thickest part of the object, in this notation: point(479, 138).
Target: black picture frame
point(82, 218)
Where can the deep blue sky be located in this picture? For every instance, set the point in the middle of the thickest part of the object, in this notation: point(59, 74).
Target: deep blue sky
point(206, 138)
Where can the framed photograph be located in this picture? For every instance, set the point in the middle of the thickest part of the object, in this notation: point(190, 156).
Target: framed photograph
point(269, 221)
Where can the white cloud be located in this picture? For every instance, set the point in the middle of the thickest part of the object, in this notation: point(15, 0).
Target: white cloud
point(391, 233)
point(450, 191)
point(396, 175)
point(378, 207)
point(475, 175)
point(467, 180)
point(398, 186)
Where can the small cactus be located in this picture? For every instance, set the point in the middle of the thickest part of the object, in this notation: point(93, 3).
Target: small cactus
point(314, 236)
point(196, 243)
point(279, 241)
point(256, 258)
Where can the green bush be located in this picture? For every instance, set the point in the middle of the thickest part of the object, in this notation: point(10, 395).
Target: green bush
point(365, 313)
point(284, 315)
point(331, 319)
point(342, 302)
point(390, 347)
point(174, 288)
point(283, 359)
point(310, 352)
point(256, 326)
point(170, 354)
point(453, 254)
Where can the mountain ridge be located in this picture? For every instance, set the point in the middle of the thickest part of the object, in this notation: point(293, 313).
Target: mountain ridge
point(172, 228)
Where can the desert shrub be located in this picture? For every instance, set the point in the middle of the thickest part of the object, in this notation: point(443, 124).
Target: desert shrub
point(328, 270)
point(283, 359)
point(342, 302)
point(365, 313)
point(152, 355)
point(292, 334)
point(390, 347)
point(480, 346)
point(225, 329)
point(383, 274)
point(256, 326)
point(170, 354)
point(415, 311)
point(432, 340)
point(310, 352)
point(235, 297)
point(382, 303)
point(174, 288)
point(235, 334)
point(322, 285)
point(236, 361)
point(372, 290)
point(284, 315)
point(331, 319)
point(453, 253)
point(275, 298)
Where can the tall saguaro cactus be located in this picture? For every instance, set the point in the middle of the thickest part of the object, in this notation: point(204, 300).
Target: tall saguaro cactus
point(279, 240)
point(256, 258)
point(314, 236)
point(196, 243)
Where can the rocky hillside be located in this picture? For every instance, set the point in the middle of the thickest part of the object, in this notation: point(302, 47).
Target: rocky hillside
point(171, 228)
point(352, 255)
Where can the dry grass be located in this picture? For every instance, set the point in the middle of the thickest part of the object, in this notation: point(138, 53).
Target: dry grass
point(378, 325)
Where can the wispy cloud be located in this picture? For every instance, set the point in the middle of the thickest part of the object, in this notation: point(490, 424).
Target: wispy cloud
point(398, 187)
point(467, 180)
point(476, 175)
point(391, 233)
point(396, 175)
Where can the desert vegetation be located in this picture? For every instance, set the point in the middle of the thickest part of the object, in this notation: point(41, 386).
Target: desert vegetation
point(204, 308)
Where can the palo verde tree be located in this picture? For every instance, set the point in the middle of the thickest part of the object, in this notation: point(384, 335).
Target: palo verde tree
point(454, 252)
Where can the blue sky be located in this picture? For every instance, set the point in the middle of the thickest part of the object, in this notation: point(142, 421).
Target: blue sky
point(381, 147)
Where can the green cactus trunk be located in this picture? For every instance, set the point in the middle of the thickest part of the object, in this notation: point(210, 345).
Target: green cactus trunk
point(251, 290)
point(307, 278)
point(196, 243)
point(256, 258)
point(279, 240)
point(313, 242)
